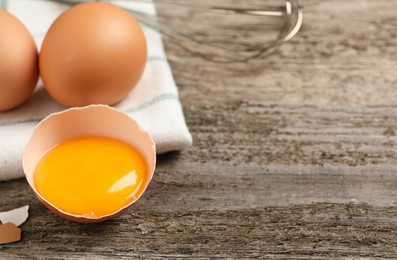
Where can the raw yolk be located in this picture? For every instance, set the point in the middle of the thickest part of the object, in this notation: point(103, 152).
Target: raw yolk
point(90, 176)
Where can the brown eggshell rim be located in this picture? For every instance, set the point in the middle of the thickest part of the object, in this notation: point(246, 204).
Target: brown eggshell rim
point(113, 123)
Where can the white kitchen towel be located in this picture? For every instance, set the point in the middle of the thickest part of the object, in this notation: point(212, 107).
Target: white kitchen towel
point(154, 102)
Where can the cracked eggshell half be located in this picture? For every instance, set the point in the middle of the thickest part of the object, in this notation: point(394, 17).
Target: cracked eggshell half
point(93, 120)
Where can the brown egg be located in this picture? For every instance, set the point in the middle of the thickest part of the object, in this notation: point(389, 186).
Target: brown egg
point(94, 53)
point(18, 62)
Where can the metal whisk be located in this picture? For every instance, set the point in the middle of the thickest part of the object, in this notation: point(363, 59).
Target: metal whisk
point(211, 28)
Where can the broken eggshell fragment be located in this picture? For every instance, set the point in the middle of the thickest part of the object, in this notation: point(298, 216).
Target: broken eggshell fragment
point(93, 120)
point(16, 216)
point(9, 233)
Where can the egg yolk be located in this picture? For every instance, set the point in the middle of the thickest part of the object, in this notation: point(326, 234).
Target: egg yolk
point(90, 176)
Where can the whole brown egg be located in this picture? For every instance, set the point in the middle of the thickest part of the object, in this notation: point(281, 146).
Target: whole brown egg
point(93, 53)
point(18, 62)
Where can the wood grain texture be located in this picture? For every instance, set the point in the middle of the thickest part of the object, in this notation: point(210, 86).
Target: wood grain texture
point(293, 156)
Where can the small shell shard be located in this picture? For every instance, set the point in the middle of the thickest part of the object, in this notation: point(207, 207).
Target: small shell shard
point(16, 216)
point(9, 233)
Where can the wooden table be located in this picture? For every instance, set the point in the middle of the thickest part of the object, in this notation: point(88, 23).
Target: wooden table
point(293, 157)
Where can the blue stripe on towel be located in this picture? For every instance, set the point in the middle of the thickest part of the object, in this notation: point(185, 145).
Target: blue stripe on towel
point(152, 102)
point(3, 4)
